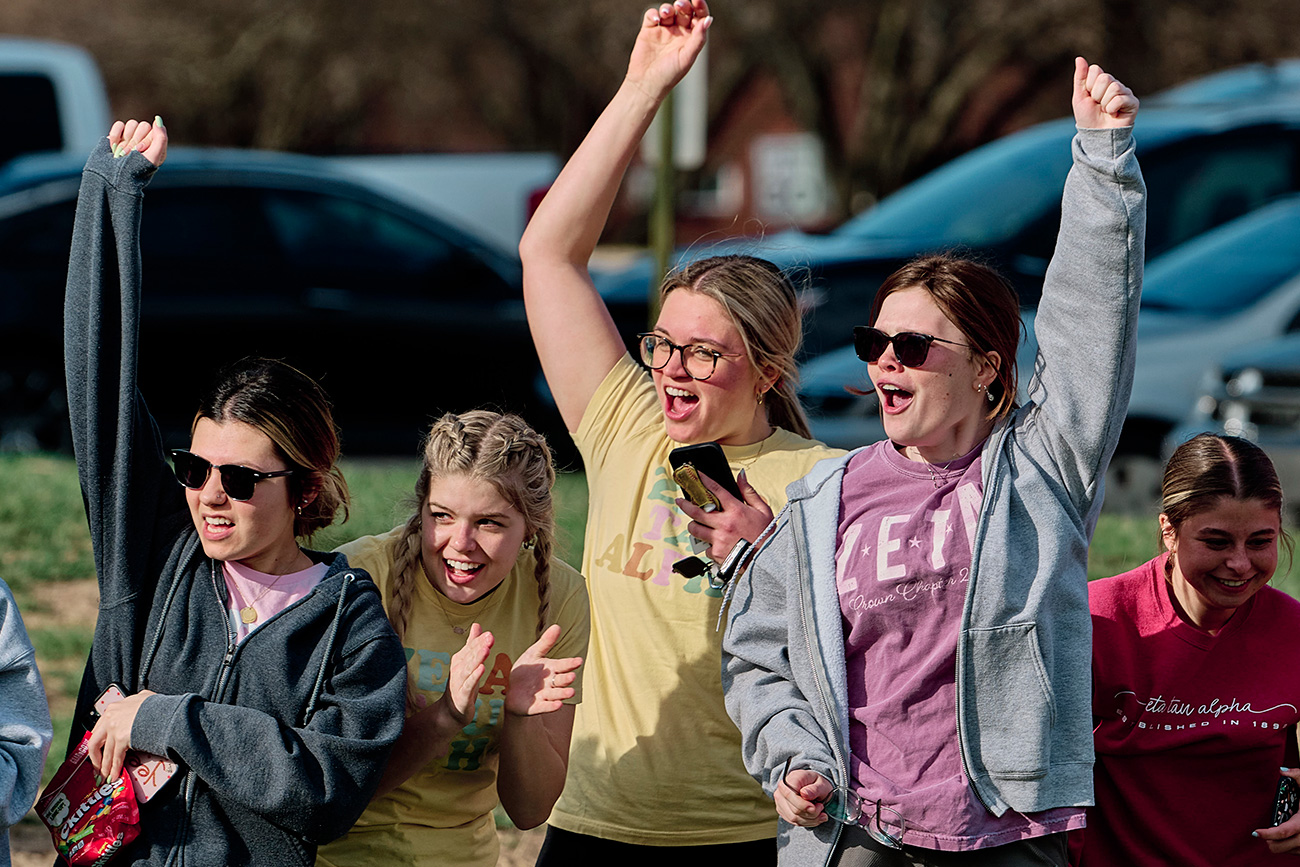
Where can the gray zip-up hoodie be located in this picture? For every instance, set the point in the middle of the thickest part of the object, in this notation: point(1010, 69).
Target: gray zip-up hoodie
point(1024, 717)
point(280, 739)
point(25, 730)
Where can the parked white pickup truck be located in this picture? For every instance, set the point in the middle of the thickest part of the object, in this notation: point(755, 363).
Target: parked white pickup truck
point(58, 92)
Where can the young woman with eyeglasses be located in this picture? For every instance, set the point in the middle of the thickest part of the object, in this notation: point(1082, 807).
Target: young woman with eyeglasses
point(912, 640)
point(495, 626)
point(1196, 676)
point(266, 672)
point(655, 771)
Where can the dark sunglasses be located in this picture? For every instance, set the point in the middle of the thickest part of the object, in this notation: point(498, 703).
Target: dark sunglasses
point(910, 347)
point(238, 482)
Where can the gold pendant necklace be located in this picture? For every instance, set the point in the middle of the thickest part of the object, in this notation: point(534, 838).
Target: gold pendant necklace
point(248, 614)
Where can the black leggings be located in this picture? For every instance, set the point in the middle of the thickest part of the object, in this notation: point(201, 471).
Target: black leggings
point(565, 849)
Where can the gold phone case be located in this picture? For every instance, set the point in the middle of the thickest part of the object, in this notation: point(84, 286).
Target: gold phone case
point(688, 478)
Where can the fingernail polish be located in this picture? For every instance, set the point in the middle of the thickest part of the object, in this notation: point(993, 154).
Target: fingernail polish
point(1284, 770)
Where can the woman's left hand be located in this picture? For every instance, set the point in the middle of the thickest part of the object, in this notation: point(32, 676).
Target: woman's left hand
point(111, 736)
point(539, 684)
point(736, 520)
point(1285, 837)
point(1101, 101)
point(150, 139)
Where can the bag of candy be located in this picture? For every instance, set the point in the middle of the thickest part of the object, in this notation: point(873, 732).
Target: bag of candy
point(90, 818)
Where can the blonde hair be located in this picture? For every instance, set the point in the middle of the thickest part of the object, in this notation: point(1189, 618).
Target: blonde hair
point(516, 460)
point(761, 302)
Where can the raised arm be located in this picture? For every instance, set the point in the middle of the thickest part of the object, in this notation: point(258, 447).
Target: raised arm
point(130, 499)
point(565, 313)
point(1082, 384)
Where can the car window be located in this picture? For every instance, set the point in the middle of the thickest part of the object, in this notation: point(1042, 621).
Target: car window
point(32, 98)
point(203, 238)
point(982, 197)
point(341, 243)
point(1229, 268)
point(1197, 185)
point(328, 231)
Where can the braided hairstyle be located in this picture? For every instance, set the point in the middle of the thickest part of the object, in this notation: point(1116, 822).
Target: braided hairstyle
point(516, 460)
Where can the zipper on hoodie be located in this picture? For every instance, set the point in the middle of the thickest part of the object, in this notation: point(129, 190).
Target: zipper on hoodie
point(819, 670)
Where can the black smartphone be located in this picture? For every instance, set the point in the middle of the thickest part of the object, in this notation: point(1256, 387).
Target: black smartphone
point(1286, 801)
point(702, 459)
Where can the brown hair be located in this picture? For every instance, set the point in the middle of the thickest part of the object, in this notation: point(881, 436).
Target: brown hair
point(976, 299)
point(1209, 467)
point(516, 460)
point(292, 410)
point(762, 303)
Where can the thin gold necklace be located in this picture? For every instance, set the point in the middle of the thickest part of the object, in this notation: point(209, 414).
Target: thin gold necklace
point(248, 614)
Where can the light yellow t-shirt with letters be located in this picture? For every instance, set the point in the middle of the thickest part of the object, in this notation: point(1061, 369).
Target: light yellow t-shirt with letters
point(655, 759)
point(443, 814)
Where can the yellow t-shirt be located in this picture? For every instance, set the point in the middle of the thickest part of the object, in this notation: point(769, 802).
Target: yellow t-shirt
point(443, 814)
point(655, 759)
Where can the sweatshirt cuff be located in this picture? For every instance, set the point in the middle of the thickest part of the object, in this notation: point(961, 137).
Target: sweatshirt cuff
point(1104, 143)
point(151, 729)
point(132, 170)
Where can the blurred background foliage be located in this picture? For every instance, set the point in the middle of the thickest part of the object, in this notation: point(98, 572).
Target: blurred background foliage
point(893, 87)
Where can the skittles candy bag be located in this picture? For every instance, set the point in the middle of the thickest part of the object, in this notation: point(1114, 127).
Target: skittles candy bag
point(90, 818)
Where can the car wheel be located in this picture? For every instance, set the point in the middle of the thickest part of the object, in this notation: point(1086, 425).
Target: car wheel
point(1133, 485)
point(33, 410)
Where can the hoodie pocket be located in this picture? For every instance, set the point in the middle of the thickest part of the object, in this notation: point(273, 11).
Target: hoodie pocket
point(1014, 706)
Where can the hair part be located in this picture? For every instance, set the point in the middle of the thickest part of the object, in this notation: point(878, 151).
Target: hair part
point(1209, 468)
point(761, 301)
point(504, 451)
point(291, 409)
point(980, 302)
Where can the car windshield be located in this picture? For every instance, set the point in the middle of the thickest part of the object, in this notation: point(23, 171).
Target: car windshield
point(1229, 267)
point(979, 198)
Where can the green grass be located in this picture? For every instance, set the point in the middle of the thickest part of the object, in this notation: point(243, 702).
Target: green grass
point(43, 534)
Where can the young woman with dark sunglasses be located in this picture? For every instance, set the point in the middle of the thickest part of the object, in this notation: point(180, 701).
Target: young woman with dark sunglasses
point(266, 672)
point(1196, 677)
point(655, 772)
point(912, 640)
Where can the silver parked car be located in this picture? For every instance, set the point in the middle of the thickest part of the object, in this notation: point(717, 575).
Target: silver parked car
point(1254, 393)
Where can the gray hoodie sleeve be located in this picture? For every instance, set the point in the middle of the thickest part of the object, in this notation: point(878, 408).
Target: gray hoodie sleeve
point(1087, 319)
point(765, 642)
point(131, 499)
point(25, 730)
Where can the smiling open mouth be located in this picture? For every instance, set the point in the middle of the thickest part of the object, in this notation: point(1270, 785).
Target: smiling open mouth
point(462, 571)
point(680, 402)
point(893, 399)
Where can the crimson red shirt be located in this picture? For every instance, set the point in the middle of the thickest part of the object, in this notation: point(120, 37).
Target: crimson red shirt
point(1191, 728)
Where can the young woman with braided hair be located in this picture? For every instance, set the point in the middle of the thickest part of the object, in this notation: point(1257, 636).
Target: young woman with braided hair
point(494, 629)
